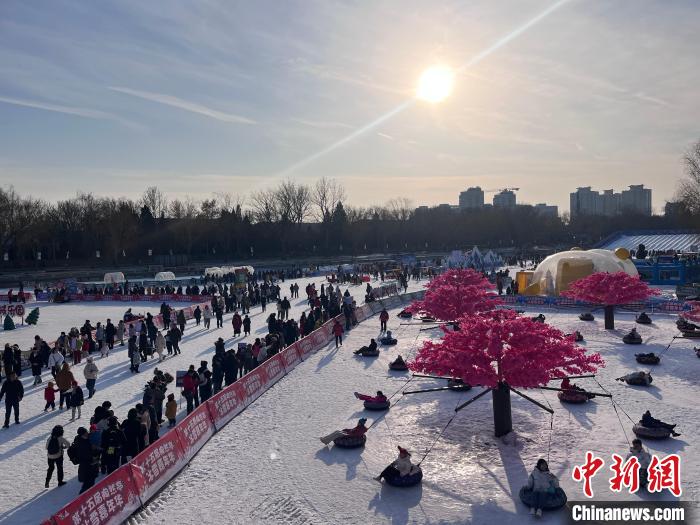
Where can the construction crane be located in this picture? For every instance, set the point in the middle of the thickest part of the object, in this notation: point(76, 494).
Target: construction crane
point(501, 189)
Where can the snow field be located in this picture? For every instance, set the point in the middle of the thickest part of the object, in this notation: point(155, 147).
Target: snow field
point(268, 466)
point(22, 447)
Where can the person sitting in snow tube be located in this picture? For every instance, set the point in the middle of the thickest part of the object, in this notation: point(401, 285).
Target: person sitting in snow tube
point(398, 364)
point(586, 316)
point(652, 428)
point(572, 393)
point(632, 338)
point(578, 337)
point(457, 384)
point(648, 359)
point(348, 437)
point(643, 318)
point(643, 458)
point(129, 316)
point(368, 351)
point(542, 491)
point(401, 472)
point(684, 325)
point(378, 402)
point(388, 340)
point(637, 379)
point(427, 319)
point(697, 352)
point(404, 314)
point(538, 318)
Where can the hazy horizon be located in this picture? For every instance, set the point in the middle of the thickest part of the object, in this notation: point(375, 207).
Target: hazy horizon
point(206, 97)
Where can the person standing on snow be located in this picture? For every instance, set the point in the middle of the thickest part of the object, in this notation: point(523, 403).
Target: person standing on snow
point(55, 446)
point(90, 372)
point(13, 392)
point(112, 443)
point(110, 332)
point(160, 345)
point(121, 330)
point(383, 319)
point(338, 333)
point(76, 400)
point(36, 363)
point(207, 317)
point(236, 322)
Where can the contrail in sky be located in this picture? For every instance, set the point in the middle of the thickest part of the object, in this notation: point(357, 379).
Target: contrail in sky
point(408, 103)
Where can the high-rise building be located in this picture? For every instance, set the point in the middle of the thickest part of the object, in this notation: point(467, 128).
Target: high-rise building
point(546, 209)
point(504, 199)
point(584, 201)
point(472, 198)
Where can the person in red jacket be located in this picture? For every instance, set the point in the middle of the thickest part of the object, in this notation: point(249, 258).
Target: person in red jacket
point(358, 431)
point(379, 398)
point(237, 323)
point(338, 333)
point(189, 386)
point(383, 318)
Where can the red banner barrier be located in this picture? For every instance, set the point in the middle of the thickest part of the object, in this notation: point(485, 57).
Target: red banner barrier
point(254, 384)
point(274, 369)
point(157, 465)
point(227, 404)
point(306, 347)
point(291, 357)
point(111, 501)
point(195, 430)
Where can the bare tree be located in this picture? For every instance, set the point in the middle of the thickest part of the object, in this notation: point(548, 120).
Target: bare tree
point(294, 201)
point(156, 201)
point(689, 189)
point(400, 208)
point(264, 206)
point(325, 196)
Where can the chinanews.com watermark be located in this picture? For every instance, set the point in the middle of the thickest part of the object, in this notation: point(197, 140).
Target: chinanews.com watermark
point(661, 474)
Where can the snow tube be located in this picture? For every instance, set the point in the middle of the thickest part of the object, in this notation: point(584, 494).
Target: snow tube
point(650, 433)
point(427, 319)
point(643, 318)
point(458, 385)
point(554, 500)
point(538, 318)
point(577, 336)
point(369, 405)
point(697, 352)
point(368, 353)
point(588, 316)
point(398, 366)
point(691, 334)
point(573, 396)
point(414, 478)
point(387, 341)
point(647, 359)
point(630, 339)
point(638, 381)
point(403, 314)
point(350, 441)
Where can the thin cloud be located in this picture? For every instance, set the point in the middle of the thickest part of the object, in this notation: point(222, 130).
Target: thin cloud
point(322, 124)
point(184, 105)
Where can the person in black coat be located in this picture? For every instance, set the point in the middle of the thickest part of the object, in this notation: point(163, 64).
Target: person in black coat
point(181, 320)
point(230, 367)
point(13, 392)
point(17, 355)
point(37, 363)
point(8, 360)
point(113, 441)
point(217, 365)
point(88, 463)
point(197, 315)
point(133, 434)
point(110, 333)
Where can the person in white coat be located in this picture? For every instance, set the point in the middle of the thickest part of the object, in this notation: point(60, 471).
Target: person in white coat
point(121, 330)
point(400, 467)
point(160, 345)
point(542, 483)
point(90, 372)
point(56, 360)
point(207, 317)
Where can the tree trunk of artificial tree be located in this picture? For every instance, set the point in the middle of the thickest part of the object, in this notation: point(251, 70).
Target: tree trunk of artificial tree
point(502, 419)
point(609, 317)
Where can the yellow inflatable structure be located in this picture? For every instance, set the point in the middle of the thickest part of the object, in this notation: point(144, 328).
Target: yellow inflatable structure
point(554, 274)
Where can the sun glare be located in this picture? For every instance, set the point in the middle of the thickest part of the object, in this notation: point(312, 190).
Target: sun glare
point(435, 84)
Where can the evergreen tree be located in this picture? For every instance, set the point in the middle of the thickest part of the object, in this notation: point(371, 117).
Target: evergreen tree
point(33, 316)
point(9, 324)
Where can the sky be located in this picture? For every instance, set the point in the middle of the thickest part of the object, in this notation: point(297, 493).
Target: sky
point(211, 96)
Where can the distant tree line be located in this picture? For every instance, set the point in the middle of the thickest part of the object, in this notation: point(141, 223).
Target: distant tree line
point(292, 219)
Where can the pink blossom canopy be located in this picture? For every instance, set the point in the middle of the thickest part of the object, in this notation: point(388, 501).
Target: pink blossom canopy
point(503, 346)
point(694, 314)
point(456, 293)
point(610, 289)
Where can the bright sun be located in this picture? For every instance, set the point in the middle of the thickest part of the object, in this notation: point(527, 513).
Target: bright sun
point(435, 84)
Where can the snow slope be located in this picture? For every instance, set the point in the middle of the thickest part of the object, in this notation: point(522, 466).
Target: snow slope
point(268, 466)
point(22, 447)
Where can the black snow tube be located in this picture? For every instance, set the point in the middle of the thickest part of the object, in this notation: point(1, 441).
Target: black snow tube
point(350, 441)
point(554, 500)
point(384, 405)
point(368, 353)
point(427, 319)
point(635, 381)
point(651, 433)
point(388, 342)
point(632, 340)
point(409, 480)
point(403, 314)
point(643, 318)
point(647, 359)
point(573, 396)
point(588, 316)
point(398, 366)
point(691, 334)
point(458, 385)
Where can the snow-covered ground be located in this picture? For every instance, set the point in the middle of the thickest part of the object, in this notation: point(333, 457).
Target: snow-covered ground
point(22, 447)
point(268, 466)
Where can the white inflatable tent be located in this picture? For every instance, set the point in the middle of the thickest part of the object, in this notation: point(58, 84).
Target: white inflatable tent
point(114, 277)
point(165, 276)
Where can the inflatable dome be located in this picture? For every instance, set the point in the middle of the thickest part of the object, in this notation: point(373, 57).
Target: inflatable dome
point(554, 274)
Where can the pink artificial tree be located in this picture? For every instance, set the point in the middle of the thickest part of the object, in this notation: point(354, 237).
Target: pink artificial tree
point(501, 350)
point(610, 290)
point(693, 315)
point(456, 293)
